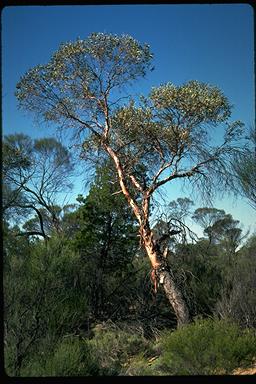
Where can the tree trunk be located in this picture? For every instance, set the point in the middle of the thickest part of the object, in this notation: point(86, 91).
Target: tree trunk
point(163, 276)
point(175, 297)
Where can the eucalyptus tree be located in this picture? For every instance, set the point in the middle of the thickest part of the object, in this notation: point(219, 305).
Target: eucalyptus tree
point(220, 227)
point(207, 217)
point(152, 140)
point(34, 173)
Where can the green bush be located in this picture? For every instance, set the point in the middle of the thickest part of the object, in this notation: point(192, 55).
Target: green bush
point(206, 347)
point(71, 357)
point(137, 366)
point(110, 352)
point(112, 349)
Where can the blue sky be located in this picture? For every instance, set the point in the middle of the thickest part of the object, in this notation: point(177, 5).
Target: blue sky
point(209, 43)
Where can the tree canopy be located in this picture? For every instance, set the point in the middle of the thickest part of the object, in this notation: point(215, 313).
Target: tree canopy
point(159, 138)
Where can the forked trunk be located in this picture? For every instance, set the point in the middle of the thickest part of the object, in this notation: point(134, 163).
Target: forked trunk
point(162, 275)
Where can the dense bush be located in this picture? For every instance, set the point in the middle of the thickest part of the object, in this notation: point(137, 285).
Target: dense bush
point(112, 349)
point(70, 357)
point(238, 296)
point(39, 286)
point(92, 271)
point(138, 365)
point(206, 347)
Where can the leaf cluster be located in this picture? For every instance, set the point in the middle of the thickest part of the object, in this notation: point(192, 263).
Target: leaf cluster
point(80, 74)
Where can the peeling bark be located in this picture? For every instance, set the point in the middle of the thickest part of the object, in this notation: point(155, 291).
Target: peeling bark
point(163, 276)
point(175, 297)
point(122, 183)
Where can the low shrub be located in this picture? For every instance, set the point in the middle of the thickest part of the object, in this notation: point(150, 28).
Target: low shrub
point(108, 353)
point(206, 347)
point(137, 366)
point(70, 357)
point(112, 349)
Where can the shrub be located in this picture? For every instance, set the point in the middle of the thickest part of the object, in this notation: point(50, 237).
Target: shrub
point(112, 349)
point(108, 353)
point(137, 366)
point(71, 357)
point(206, 347)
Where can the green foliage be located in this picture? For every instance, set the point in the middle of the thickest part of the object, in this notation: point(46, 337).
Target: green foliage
point(138, 366)
point(162, 138)
point(43, 280)
point(219, 227)
point(206, 217)
point(238, 295)
point(168, 130)
point(17, 150)
point(206, 347)
point(149, 135)
point(108, 353)
point(16, 156)
point(245, 170)
point(156, 121)
point(195, 101)
point(106, 241)
point(40, 283)
point(71, 357)
point(199, 274)
point(92, 270)
point(113, 348)
point(35, 171)
point(79, 72)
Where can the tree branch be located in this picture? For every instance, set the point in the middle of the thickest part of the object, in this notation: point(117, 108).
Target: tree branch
point(136, 183)
point(175, 175)
point(122, 182)
point(42, 233)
